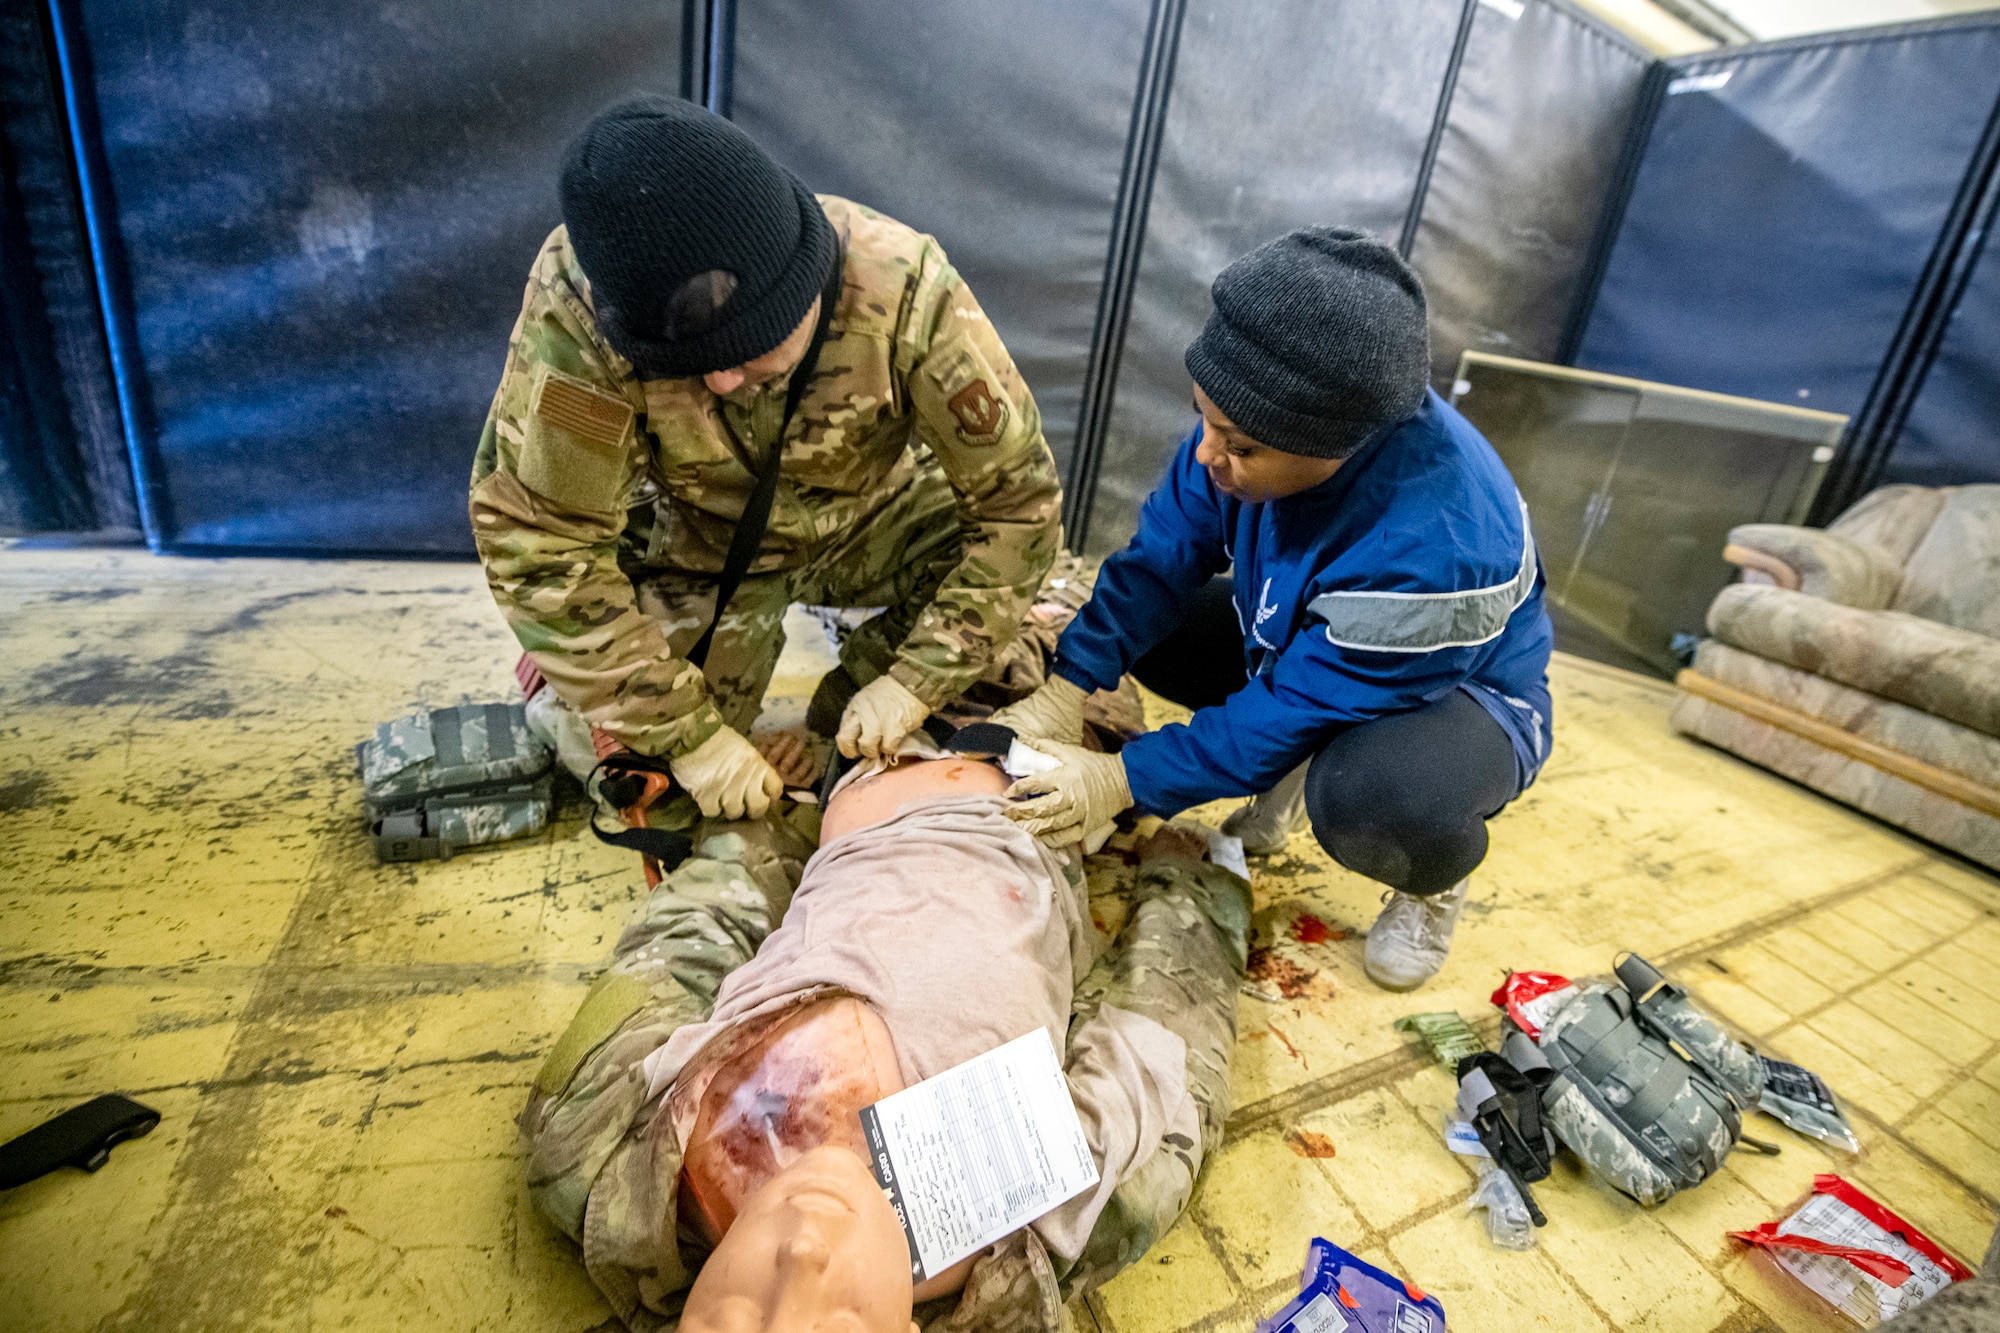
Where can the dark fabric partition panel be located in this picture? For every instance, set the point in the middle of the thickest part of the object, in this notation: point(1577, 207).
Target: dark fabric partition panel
point(41, 473)
point(998, 126)
point(322, 216)
point(1952, 435)
point(1539, 117)
point(1788, 201)
point(1282, 114)
point(61, 415)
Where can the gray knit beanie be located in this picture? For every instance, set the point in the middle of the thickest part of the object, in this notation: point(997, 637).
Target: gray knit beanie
point(702, 253)
point(1318, 341)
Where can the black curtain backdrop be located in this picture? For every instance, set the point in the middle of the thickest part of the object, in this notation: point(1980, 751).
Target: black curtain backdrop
point(323, 218)
point(1538, 119)
point(998, 126)
point(1789, 199)
point(1952, 435)
point(315, 222)
point(63, 464)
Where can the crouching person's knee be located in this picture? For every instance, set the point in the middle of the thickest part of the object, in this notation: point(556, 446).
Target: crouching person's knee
point(1390, 827)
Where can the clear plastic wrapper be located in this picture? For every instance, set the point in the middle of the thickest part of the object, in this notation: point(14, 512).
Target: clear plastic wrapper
point(1855, 1254)
point(1507, 1222)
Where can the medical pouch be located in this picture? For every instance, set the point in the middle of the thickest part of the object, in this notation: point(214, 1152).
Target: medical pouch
point(1339, 1293)
point(450, 778)
point(1648, 1091)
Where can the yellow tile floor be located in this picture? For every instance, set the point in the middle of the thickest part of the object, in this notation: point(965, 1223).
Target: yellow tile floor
point(191, 917)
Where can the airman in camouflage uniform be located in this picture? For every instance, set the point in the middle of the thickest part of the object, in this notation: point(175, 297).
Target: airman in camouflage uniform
point(604, 1161)
point(913, 476)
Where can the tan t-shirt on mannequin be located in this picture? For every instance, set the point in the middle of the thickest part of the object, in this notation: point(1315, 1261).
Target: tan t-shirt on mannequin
point(912, 945)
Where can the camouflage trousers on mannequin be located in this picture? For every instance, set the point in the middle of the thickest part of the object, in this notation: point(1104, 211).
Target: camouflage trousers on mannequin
point(604, 1163)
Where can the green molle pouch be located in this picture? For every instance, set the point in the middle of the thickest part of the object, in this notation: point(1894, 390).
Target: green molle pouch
point(438, 781)
point(1450, 1037)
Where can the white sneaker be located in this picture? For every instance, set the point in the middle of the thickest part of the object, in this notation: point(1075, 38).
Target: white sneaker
point(1269, 821)
point(1409, 940)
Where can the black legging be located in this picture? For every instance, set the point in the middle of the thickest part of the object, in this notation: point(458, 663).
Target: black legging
point(1403, 799)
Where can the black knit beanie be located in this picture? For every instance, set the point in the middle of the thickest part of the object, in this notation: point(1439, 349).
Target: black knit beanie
point(702, 253)
point(1317, 342)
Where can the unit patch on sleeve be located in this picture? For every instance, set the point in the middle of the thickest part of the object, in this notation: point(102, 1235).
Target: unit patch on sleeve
point(979, 413)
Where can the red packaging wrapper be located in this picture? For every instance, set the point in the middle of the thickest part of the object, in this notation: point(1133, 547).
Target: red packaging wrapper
point(1532, 998)
point(530, 677)
point(1861, 1258)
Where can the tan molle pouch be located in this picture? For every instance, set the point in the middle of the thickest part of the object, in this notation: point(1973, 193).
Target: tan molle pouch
point(971, 394)
point(574, 455)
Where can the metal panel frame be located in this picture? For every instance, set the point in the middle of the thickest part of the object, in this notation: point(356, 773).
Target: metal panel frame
point(107, 257)
point(1121, 264)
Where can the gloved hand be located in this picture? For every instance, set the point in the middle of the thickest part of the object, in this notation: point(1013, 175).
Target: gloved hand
point(727, 777)
point(878, 718)
point(1073, 801)
point(1052, 713)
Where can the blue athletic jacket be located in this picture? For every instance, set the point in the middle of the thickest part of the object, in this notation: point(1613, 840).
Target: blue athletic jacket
point(1405, 575)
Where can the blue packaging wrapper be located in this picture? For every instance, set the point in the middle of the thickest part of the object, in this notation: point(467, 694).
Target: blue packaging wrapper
point(1340, 1294)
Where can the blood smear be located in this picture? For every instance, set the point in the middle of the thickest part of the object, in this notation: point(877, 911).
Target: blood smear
point(1309, 929)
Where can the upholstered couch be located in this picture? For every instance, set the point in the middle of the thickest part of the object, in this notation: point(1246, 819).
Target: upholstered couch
point(1863, 660)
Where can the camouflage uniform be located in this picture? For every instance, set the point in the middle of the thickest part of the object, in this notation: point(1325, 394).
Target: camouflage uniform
point(604, 1161)
point(914, 476)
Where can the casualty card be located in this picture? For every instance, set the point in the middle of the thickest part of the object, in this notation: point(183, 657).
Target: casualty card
point(979, 1151)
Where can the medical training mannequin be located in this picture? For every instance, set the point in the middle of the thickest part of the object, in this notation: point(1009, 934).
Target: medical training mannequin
point(776, 1131)
point(776, 1167)
point(694, 1130)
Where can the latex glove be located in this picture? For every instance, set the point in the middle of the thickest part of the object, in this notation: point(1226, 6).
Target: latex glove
point(727, 777)
point(1070, 802)
point(878, 718)
point(1052, 713)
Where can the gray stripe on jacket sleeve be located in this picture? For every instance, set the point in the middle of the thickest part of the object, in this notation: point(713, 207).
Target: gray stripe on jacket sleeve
point(1423, 622)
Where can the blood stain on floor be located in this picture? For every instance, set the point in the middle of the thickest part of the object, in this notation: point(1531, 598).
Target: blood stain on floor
point(1309, 929)
point(1306, 1143)
point(1281, 973)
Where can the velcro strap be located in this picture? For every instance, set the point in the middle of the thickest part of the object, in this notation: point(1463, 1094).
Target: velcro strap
point(1659, 1092)
point(500, 731)
point(1604, 1055)
point(446, 736)
point(1474, 1091)
point(1524, 1055)
point(613, 998)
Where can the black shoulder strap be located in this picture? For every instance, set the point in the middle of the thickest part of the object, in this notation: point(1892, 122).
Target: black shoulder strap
point(749, 534)
point(663, 845)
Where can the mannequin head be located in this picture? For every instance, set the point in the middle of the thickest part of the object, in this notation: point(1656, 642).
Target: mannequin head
point(817, 1250)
